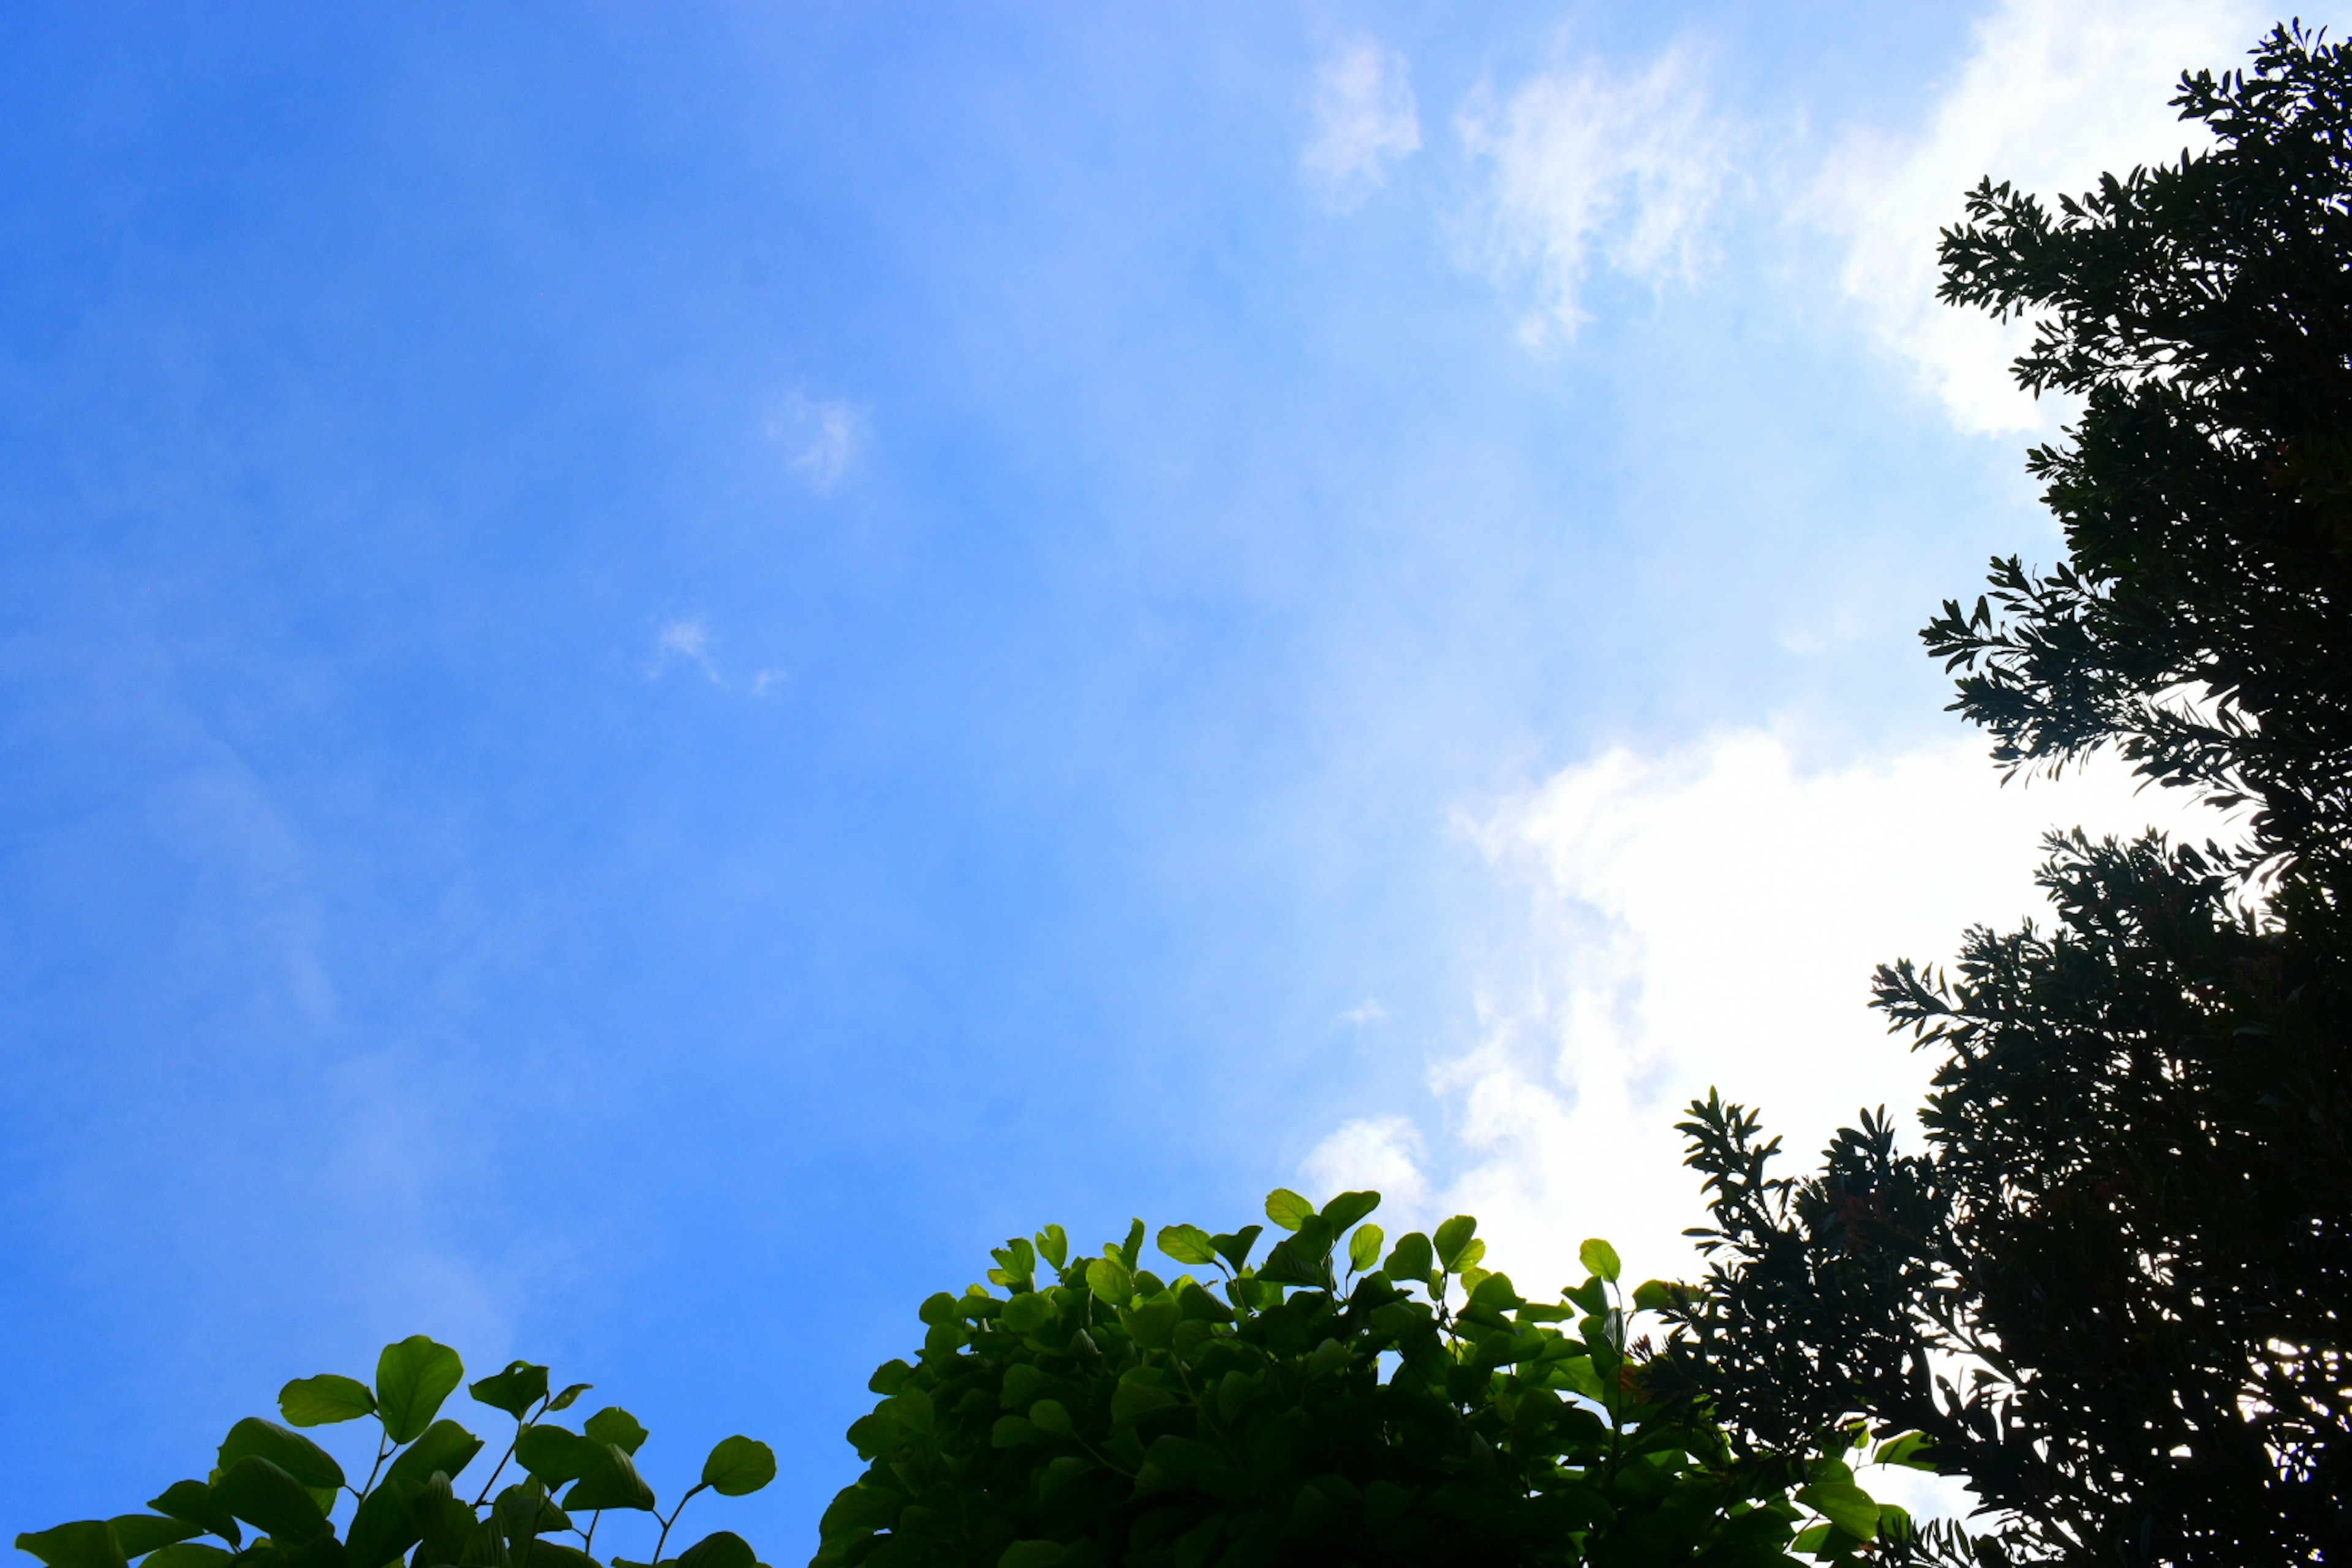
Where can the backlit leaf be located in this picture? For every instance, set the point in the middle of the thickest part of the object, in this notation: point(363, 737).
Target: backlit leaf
point(322, 1400)
point(289, 1451)
point(1188, 1244)
point(1288, 1209)
point(412, 1378)
point(514, 1391)
point(615, 1426)
point(1601, 1258)
point(1451, 1237)
point(739, 1466)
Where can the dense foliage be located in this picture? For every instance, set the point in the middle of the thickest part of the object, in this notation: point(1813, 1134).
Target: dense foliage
point(1323, 1407)
point(287, 1489)
point(2115, 1287)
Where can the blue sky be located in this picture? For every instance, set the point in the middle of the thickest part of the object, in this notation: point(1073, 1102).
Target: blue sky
point(664, 669)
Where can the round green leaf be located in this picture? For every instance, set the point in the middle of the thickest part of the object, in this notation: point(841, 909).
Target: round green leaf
point(1412, 1257)
point(1051, 1415)
point(445, 1447)
point(615, 1483)
point(1364, 1247)
point(1109, 1278)
point(1453, 1238)
point(514, 1391)
point(263, 1494)
point(1348, 1208)
point(1288, 1209)
point(1843, 1504)
point(1188, 1244)
point(556, 1455)
point(738, 1466)
point(412, 1378)
point(322, 1400)
point(615, 1426)
point(1601, 1258)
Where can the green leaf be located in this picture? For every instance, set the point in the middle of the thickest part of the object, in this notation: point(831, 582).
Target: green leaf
point(554, 1555)
point(1290, 1264)
point(1451, 1239)
point(1348, 1208)
point(615, 1426)
point(1130, 1251)
point(84, 1543)
point(1913, 1449)
point(557, 1455)
point(1031, 1554)
point(739, 1466)
point(189, 1554)
point(563, 1402)
point(412, 1378)
point(1653, 1295)
point(445, 1447)
point(1026, 1313)
point(912, 1408)
point(1188, 1244)
point(524, 1510)
point(1843, 1504)
point(1012, 1432)
point(289, 1451)
point(1364, 1247)
point(514, 1391)
point(1110, 1280)
point(1053, 1246)
point(859, 1509)
point(262, 1493)
point(382, 1529)
point(1601, 1258)
point(139, 1533)
point(720, 1548)
point(615, 1483)
point(1412, 1257)
point(1288, 1209)
point(1052, 1415)
point(1234, 1248)
point(193, 1501)
point(322, 1400)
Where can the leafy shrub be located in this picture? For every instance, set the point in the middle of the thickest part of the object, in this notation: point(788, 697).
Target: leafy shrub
point(1325, 1406)
point(286, 1488)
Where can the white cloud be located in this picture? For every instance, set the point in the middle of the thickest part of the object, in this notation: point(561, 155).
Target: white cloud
point(1365, 119)
point(1708, 917)
point(1364, 1014)
point(1589, 161)
point(2052, 94)
point(766, 679)
point(684, 641)
point(822, 437)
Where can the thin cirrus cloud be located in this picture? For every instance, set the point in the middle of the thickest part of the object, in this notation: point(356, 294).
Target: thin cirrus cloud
point(822, 437)
point(1587, 163)
point(1365, 120)
point(2053, 93)
point(685, 641)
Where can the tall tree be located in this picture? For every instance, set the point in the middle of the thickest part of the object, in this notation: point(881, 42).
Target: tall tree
point(2115, 1287)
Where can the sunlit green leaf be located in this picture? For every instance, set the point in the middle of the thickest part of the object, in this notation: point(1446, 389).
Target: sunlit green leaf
point(1053, 1246)
point(1601, 1258)
point(1364, 1247)
point(1234, 1248)
point(1843, 1504)
point(1451, 1239)
point(1188, 1244)
point(563, 1400)
point(1288, 1209)
point(1110, 1280)
point(1412, 1257)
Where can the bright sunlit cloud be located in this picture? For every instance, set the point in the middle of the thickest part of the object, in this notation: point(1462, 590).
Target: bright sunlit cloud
point(1365, 120)
point(1590, 163)
point(2053, 93)
point(1707, 917)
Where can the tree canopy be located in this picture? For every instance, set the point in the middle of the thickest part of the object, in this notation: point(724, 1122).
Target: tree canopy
point(1329, 1404)
point(2114, 1288)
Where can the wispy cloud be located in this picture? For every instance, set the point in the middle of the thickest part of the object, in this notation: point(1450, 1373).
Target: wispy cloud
point(683, 641)
point(1590, 163)
point(2053, 93)
point(1365, 120)
point(822, 437)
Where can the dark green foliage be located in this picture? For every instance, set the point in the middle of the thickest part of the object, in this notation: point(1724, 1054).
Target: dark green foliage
point(1312, 1410)
point(407, 1511)
point(2115, 1290)
point(2204, 313)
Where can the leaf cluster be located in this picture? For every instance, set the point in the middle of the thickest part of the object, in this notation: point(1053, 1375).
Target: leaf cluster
point(277, 1484)
point(1342, 1400)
